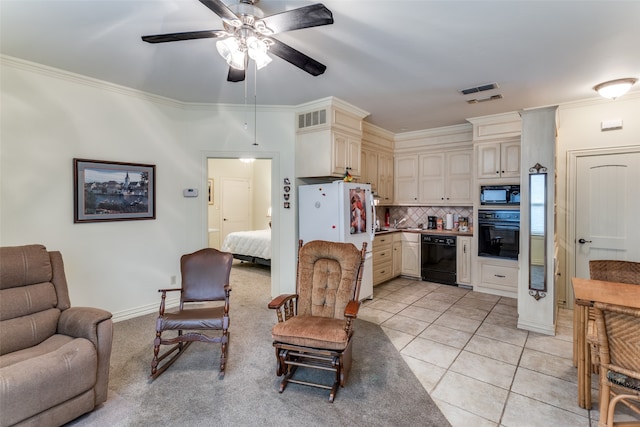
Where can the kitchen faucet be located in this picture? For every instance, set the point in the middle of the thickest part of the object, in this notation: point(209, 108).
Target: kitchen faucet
point(396, 223)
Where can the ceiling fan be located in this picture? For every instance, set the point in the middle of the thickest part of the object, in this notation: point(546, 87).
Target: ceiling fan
point(247, 34)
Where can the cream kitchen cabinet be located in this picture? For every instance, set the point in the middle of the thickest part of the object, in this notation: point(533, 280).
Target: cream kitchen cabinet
point(377, 170)
point(385, 178)
point(369, 168)
point(411, 255)
point(397, 254)
point(382, 258)
point(498, 277)
point(498, 159)
point(327, 153)
point(346, 154)
point(329, 139)
point(463, 260)
point(446, 178)
point(406, 179)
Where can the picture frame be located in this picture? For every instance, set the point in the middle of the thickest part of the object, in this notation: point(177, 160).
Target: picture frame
point(210, 191)
point(113, 191)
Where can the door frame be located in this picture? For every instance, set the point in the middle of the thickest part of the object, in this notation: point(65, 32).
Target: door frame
point(572, 177)
point(276, 271)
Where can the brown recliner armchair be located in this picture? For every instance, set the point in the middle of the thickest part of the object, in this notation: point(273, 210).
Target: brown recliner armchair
point(204, 306)
point(54, 358)
point(315, 325)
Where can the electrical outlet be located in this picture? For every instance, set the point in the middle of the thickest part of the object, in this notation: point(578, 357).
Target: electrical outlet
point(173, 280)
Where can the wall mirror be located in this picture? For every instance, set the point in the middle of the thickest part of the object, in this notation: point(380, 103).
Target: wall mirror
point(537, 231)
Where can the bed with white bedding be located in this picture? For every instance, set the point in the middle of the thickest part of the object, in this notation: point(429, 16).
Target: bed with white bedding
point(253, 246)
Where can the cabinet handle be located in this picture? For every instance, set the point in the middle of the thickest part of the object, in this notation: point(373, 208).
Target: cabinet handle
point(498, 172)
point(500, 275)
point(502, 171)
point(383, 271)
point(464, 249)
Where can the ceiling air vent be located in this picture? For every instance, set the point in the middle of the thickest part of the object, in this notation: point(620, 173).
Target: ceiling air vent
point(481, 88)
point(490, 98)
point(312, 118)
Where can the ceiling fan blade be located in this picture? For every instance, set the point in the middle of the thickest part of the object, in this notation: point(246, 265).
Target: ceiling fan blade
point(235, 75)
point(304, 17)
point(221, 9)
point(190, 35)
point(297, 58)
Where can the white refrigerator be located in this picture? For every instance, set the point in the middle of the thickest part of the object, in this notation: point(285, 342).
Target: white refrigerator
point(340, 212)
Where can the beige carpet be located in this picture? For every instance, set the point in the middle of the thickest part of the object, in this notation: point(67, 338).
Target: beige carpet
point(381, 391)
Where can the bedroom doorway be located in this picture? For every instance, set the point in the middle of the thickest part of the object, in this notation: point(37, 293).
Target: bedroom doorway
point(246, 186)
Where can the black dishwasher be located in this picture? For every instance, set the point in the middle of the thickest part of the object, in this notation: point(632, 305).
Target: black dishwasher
point(438, 259)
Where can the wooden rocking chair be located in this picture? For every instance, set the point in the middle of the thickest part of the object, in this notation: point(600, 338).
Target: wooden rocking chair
point(315, 325)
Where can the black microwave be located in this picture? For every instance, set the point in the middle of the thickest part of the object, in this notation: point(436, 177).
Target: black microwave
point(500, 195)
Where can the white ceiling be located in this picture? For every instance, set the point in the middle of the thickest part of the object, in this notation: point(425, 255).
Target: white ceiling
point(403, 61)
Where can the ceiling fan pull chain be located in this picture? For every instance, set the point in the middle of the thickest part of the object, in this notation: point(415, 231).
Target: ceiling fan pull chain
point(255, 103)
point(246, 111)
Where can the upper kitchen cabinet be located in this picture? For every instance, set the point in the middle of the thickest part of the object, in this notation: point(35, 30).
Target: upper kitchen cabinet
point(434, 167)
point(377, 162)
point(499, 160)
point(406, 179)
point(497, 145)
point(446, 178)
point(328, 139)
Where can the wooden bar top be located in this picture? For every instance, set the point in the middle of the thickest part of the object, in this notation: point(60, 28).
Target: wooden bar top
point(616, 293)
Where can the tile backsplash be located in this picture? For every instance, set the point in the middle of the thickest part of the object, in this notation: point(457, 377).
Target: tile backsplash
point(418, 214)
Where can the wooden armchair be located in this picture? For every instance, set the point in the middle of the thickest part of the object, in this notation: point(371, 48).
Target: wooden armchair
point(619, 350)
point(315, 325)
point(205, 280)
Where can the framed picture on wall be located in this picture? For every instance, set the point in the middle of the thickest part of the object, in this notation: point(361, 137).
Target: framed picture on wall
point(113, 191)
point(211, 191)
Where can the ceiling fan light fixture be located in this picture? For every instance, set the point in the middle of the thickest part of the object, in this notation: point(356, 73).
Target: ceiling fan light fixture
point(230, 50)
point(615, 88)
point(258, 51)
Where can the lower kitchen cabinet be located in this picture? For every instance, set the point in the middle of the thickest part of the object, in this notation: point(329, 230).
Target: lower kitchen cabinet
point(463, 260)
point(382, 258)
point(410, 255)
point(498, 277)
point(397, 254)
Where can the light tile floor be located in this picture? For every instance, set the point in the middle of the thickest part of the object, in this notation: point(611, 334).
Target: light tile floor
point(465, 349)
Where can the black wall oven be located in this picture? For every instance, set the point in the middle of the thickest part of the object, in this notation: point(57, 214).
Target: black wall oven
point(499, 233)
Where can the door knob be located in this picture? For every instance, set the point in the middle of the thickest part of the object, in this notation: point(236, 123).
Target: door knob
point(582, 241)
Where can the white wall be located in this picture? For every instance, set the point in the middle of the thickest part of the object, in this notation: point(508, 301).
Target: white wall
point(261, 194)
point(579, 129)
point(48, 117)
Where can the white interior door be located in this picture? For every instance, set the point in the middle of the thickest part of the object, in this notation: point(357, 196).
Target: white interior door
point(607, 205)
point(235, 205)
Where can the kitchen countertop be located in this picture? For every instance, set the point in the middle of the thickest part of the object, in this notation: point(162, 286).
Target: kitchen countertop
point(425, 231)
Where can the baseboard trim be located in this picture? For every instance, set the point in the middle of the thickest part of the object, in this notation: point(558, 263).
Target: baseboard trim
point(143, 309)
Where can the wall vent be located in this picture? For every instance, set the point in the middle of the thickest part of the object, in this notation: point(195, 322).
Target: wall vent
point(481, 88)
point(312, 118)
point(490, 98)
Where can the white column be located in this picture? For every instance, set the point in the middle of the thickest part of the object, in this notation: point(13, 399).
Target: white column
point(538, 146)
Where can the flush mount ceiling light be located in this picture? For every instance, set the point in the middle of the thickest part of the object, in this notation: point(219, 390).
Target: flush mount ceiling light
point(615, 88)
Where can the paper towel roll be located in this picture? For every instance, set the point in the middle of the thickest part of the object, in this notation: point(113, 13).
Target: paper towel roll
point(448, 223)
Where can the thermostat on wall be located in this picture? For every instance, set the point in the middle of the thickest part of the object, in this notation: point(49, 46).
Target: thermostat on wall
point(190, 192)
